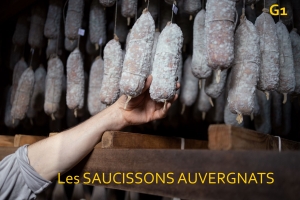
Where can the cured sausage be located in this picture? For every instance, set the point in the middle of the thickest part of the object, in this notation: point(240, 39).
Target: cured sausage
point(128, 9)
point(219, 32)
point(213, 86)
point(20, 67)
point(75, 81)
point(189, 86)
point(203, 103)
point(23, 94)
point(113, 60)
point(127, 40)
point(165, 66)
point(70, 45)
point(229, 117)
point(156, 36)
point(54, 85)
point(140, 47)
point(37, 23)
point(295, 38)
point(192, 7)
point(52, 25)
point(55, 47)
point(96, 76)
point(107, 3)
point(74, 18)
point(269, 70)
point(97, 24)
point(7, 119)
point(286, 62)
point(185, 25)
point(245, 70)
point(199, 63)
point(38, 95)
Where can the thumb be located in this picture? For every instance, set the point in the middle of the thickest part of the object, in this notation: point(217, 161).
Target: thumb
point(148, 82)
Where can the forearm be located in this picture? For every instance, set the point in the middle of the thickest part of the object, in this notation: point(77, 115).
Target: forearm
point(61, 152)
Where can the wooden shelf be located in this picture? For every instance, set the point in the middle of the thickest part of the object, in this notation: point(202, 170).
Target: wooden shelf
point(129, 152)
point(285, 167)
point(6, 141)
point(125, 140)
point(226, 137)
point(18, 140)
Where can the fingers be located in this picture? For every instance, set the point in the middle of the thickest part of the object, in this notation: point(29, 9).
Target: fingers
point(177, 86)
point(121, 100)
point(161, 113)
point(147, 83)
point(174, 99)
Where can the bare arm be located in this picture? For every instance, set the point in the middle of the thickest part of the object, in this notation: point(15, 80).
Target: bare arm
point(61, 152)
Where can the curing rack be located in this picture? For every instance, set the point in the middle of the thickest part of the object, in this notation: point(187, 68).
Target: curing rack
point(229, 149)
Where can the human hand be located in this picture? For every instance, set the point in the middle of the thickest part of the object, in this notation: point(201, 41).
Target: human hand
point(143, 109)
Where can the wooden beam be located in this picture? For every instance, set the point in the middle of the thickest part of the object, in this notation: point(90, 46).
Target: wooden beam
point(5, 151)
point(226, 137)
point(283, 166)
point(125, 140)
point(6, 141)
point(21, 140)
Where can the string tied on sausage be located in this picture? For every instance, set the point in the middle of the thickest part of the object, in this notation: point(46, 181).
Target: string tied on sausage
point(203, 115)
point(52, 117)
point(211, 102)
point(182, 109)
point(75, 112)
point(165, 104)
point(243, 16)
point(239, 118)
point(174, 3)
point(127, 101)
point(267, 95)
point(115, 28)
point(32, 52)
point(218, 77)
point(284, 98)
point(265, 10)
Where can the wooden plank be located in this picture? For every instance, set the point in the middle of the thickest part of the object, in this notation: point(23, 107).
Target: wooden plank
point(124, 140)
point(5, 151)
point(226, 137)
point(21, 140)
point(6, 141)
point(284, 166)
